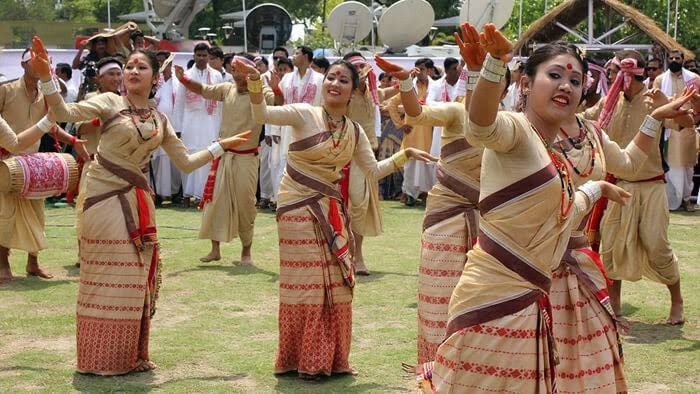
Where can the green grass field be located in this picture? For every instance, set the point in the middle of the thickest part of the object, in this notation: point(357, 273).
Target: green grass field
point(216, 326)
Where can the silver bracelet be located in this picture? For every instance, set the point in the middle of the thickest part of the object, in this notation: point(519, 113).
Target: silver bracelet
point(45, 125)
point(48, 87)
point(592, 190)
point(472, 78)
point(216, 149)
point(406, 85)
point(650, 126)
point(493, 70)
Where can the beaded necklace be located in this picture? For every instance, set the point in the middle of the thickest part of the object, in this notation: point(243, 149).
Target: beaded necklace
point(583, 134)
point(336, 127)
point(144, 115)
point(567, 187)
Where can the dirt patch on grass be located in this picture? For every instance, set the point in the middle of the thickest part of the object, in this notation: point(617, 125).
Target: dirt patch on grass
point(650, 388)
point(15, 344)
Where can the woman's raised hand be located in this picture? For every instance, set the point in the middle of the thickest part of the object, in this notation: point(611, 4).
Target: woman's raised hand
point(420, 155)
point(238, 139)
point(676, 108)
point(392, 69)
point(246, 69)
point(495, 43)
point(470, 48)
point(40, 59)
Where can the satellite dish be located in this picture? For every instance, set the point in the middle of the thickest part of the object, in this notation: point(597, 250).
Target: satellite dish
point(269, 26)
point(481, 12)
point(349, 22)
point(405, 23)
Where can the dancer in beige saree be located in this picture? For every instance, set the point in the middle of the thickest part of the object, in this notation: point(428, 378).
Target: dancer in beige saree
point(119, 254)
point(316, 245)
point(584, 325)
point(450, 224)
point(499, 335)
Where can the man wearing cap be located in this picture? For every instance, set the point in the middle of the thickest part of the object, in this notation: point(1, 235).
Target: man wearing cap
point(228, 202)
point(98, 50)
point(22, 105)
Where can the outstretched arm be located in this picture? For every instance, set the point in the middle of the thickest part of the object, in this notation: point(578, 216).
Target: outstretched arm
point(192, 86)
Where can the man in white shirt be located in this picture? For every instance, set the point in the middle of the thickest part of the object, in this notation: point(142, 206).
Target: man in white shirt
point(198, 119)
point(166, 178)
point(303, 85)
point(68, 90)
point(216, 61)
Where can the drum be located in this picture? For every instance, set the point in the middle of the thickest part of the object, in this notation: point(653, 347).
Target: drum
point(39, 175)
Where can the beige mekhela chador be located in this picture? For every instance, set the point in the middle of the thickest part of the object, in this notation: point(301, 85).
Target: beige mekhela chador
point(315, 243)
point(231, 212)
point(634, 238)
point(585, 331)
point(119, 253)
point(21, 220)
point(365, 212)
point(498, 336)
point(450, 224)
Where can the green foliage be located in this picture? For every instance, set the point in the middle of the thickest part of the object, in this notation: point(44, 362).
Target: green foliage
point(42, 10)
point(317, 37)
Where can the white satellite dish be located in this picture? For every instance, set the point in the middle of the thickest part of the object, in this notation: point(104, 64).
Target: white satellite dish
point(405, 23)
point(349, 22)
point(481, 12)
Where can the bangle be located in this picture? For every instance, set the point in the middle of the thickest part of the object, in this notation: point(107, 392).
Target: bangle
point(650, 126)
point(45, 124)
point(406, 85)
point(399, 158)
point(493, 70)
point(592, 191)
point(216, 149)
point(472, 77)
point(277, 91)
point(72, 140)
point(48, 87)
point(255, 85)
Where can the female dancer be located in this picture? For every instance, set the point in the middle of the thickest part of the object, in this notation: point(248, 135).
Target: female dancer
point(119, 253)
point(498, 336)
point(14, 235)
point(584, 324)
point(316, 246)
point(450, 223)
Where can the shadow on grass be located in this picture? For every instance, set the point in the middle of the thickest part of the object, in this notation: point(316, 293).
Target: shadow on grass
point(234, 269)
point(628, 309)
point(20, 368)
point(24, 283)
point(139, 382)
point(377, 275)
point(651, 333)
point(72, 270)
point(344, 383)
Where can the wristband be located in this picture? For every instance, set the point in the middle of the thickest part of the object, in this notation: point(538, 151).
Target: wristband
point(277, 91)
point(650, 126)
point(592, 190)
point(48, 87)
point(255, 85)
point(399, 158)
point(185, 79)
point(45, 124)
point(406, 85)
point(216, 149)
point(72, 140)
point(472, 77)
point(493, 70)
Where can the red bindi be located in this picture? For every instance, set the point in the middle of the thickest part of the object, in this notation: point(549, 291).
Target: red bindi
point(569, 66)
point(136, 60)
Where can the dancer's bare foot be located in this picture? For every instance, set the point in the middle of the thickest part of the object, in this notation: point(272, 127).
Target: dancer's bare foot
point(210, 257)
point(676, 317)
point(361, 268)
point(246, 261)
point(6, 275)
point(37, 271)
point(145, 366)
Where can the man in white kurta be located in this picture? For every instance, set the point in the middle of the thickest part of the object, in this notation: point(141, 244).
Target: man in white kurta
point(682, 153)
point(303, 85)
point(163, 170)
point(198, 118)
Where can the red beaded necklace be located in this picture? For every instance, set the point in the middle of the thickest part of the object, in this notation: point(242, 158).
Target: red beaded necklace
point(583, 134)
point(567, 187)
point(333, 126)
point(144, 115)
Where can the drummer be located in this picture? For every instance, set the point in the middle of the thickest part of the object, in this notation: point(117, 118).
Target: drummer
point(22, 221)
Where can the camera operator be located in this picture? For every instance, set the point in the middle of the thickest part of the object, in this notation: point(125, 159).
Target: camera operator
point(98, 51)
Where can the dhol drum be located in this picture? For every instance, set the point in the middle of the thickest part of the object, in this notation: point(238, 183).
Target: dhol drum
point(39, 175)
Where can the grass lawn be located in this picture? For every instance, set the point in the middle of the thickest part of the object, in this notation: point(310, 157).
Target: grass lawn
point(216, 325)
